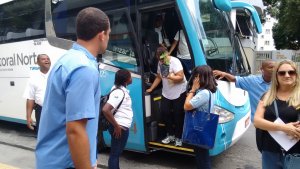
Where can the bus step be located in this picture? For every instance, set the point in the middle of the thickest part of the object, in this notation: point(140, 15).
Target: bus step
point(170, 147)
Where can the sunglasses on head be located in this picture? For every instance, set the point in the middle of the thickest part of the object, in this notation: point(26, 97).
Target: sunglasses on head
point(283, 73)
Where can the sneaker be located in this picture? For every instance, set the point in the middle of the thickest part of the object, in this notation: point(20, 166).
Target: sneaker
point(178, 142)
point(168, 139)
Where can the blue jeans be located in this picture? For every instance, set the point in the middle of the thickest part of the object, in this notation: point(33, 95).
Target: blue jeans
point(117, 147)
point(272, 160)
point(202, 158)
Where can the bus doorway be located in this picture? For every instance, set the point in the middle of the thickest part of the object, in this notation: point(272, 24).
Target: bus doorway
point(158, 28)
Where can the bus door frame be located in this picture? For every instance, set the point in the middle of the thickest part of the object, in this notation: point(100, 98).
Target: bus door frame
point(142, 9)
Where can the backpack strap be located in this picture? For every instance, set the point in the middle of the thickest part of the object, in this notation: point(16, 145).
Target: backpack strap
point(121, 100)
point(119, 103)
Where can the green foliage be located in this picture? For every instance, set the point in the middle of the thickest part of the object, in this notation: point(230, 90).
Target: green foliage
point(272, 7)
point(286, 32)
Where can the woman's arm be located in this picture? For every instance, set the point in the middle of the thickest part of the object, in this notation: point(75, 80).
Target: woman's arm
point(187, 105)
point(260, 122)
point(154, 84)
point(196, 85)
point(107, 112)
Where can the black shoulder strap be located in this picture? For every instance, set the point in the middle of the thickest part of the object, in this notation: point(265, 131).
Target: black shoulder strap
point(121, 100)
point(276, 108)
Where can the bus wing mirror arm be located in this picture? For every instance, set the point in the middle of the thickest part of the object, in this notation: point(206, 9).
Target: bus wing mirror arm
point(252, 10)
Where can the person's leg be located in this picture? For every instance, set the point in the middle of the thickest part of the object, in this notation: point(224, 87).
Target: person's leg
point(202, 158)
point(179, 114)
point(117, 147)
point(38, 110)
point(271, 160)
point(167, 116)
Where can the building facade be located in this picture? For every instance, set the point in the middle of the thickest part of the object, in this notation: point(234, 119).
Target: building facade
point(265, 41)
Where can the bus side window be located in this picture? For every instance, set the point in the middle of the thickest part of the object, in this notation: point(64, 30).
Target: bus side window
point(121, 50)
point(13, 35)
point(17, 16)
point(33, 32)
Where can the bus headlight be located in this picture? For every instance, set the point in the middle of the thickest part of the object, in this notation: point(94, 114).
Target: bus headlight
point(224, 115)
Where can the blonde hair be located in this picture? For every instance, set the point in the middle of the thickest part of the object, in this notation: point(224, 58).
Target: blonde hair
point(270, 96)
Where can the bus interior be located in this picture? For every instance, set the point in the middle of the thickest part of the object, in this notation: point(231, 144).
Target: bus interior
point(170, 25)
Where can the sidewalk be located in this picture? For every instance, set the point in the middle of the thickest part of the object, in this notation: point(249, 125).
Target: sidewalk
point(3, 166)
point(17, 146)
point(16, 158)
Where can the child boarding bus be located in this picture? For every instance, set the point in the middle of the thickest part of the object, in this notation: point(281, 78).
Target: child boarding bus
point(31, 27)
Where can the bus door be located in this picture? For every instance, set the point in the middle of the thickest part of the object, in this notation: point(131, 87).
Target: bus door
point(122, 52)
point(164, 19)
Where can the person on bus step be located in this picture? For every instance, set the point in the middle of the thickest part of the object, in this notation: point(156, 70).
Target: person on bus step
point(35, 91)
point(203, 85)
point(69, 121)
point(170, 72)
point(121, 121)
point(255, 85)
point(182, 52)
point(284, 94)
point(158, 28)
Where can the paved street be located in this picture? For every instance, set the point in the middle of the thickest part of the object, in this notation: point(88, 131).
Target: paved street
point(17, 149)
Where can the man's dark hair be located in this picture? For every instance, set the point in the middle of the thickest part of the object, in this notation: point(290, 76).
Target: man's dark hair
point(206, 80)
point(40, 55)
point(160, 50)
point(89, 22)
point(122, 76)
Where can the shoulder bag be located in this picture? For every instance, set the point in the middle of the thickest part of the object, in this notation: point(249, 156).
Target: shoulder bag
point(200, 128)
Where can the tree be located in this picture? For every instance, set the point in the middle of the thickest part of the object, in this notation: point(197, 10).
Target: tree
point(286, 32)
point(272, 7)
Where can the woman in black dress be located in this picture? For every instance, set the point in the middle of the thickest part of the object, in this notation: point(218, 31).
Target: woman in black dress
point(284, 94)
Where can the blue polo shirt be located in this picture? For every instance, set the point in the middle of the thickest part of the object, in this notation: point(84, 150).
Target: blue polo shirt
point(255, 86)
point(73, 93)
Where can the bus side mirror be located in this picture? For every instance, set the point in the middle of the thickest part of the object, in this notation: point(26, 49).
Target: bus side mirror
point(223, 5)
point(252, 10)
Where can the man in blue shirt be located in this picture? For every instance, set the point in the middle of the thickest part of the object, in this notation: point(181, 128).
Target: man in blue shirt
point(255, 85)
point(69, 121)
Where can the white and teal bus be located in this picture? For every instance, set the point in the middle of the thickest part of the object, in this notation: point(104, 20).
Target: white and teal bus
point(31, 27)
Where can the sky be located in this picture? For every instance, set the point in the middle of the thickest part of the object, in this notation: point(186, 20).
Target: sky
point(4, 1)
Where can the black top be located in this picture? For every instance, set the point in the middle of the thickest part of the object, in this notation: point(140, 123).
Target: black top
point(287, 114)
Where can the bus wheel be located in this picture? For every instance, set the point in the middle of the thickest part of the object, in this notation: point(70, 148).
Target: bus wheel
point(101, 146)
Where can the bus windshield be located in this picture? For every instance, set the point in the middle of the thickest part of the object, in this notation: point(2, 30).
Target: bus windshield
point(216, 34)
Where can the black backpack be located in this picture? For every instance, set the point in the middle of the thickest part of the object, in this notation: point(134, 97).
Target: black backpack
point(103, 124)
